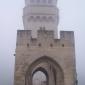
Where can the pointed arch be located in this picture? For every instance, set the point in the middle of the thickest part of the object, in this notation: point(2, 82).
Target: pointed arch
point(47, 65)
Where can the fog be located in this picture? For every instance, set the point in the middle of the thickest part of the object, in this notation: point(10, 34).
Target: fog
point(72, 17)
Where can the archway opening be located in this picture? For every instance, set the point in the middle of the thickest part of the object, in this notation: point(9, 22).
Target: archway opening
point(46, 68)
point(39, 78)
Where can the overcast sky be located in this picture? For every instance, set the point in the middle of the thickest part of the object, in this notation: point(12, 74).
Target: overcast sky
point(72, 17)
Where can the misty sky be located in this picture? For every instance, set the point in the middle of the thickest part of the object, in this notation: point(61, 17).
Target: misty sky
point(72, 17)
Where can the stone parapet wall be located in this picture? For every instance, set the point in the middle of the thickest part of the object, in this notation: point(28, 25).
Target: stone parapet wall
point(45, 38)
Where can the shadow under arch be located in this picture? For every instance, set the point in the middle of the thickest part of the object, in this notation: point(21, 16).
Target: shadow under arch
point(42, 70)
point(44, 59)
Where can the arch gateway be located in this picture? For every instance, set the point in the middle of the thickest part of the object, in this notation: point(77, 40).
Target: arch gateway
point(50, 68)
point(54, 57)
point(42, 59)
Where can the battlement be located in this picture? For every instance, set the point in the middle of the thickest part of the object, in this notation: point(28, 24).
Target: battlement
point(45, 38)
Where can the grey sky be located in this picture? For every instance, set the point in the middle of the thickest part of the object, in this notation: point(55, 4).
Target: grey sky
point(72, 17)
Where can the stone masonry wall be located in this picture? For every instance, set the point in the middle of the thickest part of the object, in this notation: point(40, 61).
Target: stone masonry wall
point(61, 50)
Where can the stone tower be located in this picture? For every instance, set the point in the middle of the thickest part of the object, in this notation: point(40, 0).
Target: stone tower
point(40, 13)
point(54, 57)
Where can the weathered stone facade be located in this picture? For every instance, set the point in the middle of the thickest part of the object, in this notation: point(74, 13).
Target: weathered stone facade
point(54, 57)
point(45, 53)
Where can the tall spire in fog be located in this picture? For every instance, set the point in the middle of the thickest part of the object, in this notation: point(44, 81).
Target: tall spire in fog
point(40, 13)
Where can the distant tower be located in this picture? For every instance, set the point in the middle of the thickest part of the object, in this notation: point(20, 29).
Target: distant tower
point(55, 58)
point(40, 13)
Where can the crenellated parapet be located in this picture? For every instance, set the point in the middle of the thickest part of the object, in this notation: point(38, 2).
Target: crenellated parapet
point(45, 38)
